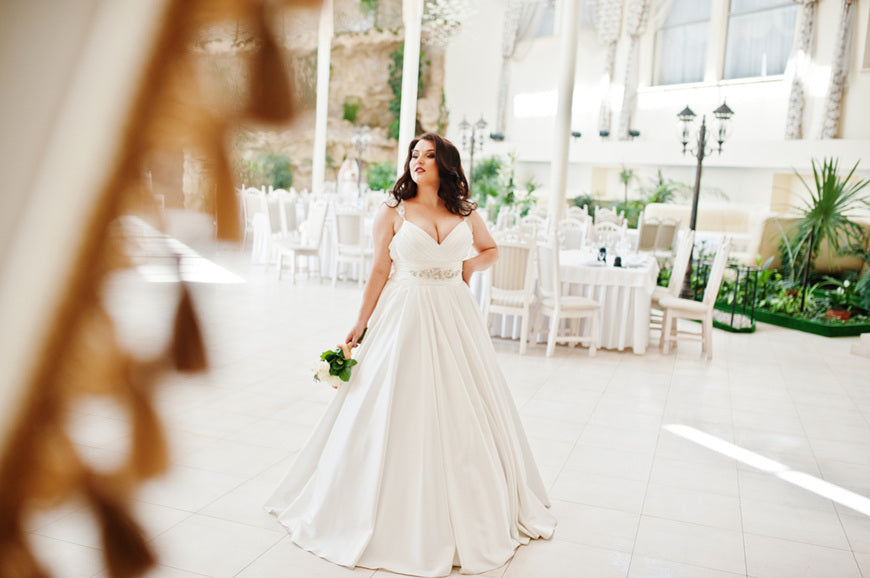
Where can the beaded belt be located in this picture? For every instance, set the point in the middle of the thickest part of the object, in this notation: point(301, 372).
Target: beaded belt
point(431, 274)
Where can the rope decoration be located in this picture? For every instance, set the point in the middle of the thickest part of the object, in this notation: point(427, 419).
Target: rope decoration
point(801, 58)
point(39, 464)
point(839, 72)
point(636, 17)
point(608, 20)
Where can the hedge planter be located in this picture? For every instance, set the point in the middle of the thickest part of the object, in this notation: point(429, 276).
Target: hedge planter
point(815, 327)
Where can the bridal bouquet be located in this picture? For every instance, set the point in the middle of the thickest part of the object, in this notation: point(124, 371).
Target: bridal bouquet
point(334, 365)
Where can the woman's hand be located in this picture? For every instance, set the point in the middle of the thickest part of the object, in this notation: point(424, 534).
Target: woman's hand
point(356, 333)
point(467, 271)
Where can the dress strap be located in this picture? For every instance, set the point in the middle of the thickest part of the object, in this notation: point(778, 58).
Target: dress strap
point(400, 208)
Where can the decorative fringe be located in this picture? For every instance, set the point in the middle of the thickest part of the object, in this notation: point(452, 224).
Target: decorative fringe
point(188, 350)
point(271, 100)
point(16, 559)
point(149, 453)
point(124, 547)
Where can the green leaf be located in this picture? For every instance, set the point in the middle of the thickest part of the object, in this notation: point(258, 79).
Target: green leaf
point(345, 374)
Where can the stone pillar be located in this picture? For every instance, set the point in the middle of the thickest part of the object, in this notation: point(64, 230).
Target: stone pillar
point(324, 46)
point(412, 12)
point(562, 128)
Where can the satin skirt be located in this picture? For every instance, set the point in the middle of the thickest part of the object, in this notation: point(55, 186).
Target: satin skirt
point(420, 463)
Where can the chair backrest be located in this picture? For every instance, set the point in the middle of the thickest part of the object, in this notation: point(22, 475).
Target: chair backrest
point(532, 225)
point(507, 218)
point(607, 232)
point(514, 270)
point(549, 281)
point(254, 199)
point(647, 233)
point(666, 236)
point(287, 212)
point(572, 233)
point(605, 215)
point(349, 228)
point(314, 224)
point(579, 213)
point(681, 262)
point(717, 271)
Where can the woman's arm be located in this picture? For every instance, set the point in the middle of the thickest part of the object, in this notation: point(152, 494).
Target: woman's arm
point(383, 230)
point(484, 244)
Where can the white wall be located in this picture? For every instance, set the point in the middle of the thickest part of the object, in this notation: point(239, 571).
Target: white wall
point(755, 152)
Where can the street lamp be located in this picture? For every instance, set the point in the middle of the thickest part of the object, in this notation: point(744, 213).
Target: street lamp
point(362, 136)
point(686, 117)
point(472, 139)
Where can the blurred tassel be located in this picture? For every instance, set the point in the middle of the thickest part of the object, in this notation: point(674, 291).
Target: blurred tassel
point(149, 455)
point(16, 559)
point(226, 204)
point(188, 350)
point(271, 100)
point(124, 546)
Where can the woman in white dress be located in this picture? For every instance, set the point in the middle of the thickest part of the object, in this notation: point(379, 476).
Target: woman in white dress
point(420, 463)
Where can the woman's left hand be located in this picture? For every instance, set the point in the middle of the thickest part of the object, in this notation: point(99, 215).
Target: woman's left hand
point(467, 271)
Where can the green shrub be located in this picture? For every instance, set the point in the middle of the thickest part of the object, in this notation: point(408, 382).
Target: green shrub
point(351, 109)
point(381, 176)
point(278, 170)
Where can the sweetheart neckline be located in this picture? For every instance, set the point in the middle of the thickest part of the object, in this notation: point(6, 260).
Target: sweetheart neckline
point(434, 240)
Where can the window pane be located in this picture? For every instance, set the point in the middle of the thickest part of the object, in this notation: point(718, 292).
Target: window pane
point(742, 6)
point(759, 44)
point(683, 53)
point(684, 11)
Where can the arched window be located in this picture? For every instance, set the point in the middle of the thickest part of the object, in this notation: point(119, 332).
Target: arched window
point(681, 43)
point(760, 35)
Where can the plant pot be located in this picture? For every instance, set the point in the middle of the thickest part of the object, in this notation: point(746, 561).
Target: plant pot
point(840, 314)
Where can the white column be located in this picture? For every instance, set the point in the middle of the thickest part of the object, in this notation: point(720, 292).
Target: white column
point(324, 46)
point(412, 13)
point(562, 129)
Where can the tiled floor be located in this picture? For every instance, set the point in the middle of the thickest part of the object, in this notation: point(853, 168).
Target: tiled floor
point(632, 498)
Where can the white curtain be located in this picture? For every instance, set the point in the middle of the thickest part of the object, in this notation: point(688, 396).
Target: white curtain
point(637, 14)
point(839, 71)
point(683, 27)
point(799, 62)
point(608, 21)
point(521, 20)
point(759, 42)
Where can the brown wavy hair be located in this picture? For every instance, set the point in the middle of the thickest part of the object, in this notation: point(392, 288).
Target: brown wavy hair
point(454, 187)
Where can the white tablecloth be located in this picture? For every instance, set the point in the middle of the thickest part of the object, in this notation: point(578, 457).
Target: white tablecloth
point(623, 292)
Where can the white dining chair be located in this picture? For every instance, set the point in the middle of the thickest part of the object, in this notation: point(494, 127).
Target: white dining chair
point(558, 306)
point(572, 233)
point(607, 233)
point(306, 243)
point(666, 237)
point(507, 218)
point(532, 225)
point(675, 283)
point(647, 231)
point(510, 285)
point(578, 213)
point(605, 215)
point(679, 308)
point(350, 244)
point(252, 203)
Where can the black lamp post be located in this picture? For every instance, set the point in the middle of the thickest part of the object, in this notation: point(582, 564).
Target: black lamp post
point(723, 116)
point(472, 140)
point(362, 136)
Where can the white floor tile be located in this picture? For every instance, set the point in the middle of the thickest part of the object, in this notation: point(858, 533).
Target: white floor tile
point(715, 548)
point(774, 558)
point(556, 559)
point(693, 506)
point(212, 546)
point(593, 526)
point(808, 525)
point(645, 567)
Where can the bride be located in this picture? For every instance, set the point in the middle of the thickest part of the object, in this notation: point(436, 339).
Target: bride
point(420, 462)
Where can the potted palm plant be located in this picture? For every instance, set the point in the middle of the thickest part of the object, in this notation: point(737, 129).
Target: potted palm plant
point(826, 216)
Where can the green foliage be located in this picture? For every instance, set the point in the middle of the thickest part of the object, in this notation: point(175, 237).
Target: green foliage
point(826, 217)
point(397, 57)
point(271, 169)
point(381, 176)
point(493, 186)
point(369, 7)
point(662, 190)
point(626, 175)
point(351, 108)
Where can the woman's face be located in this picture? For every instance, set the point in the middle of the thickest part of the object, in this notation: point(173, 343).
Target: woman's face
point(424, 169)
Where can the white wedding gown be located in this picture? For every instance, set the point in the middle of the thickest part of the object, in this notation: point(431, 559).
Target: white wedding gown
point(420, 462)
